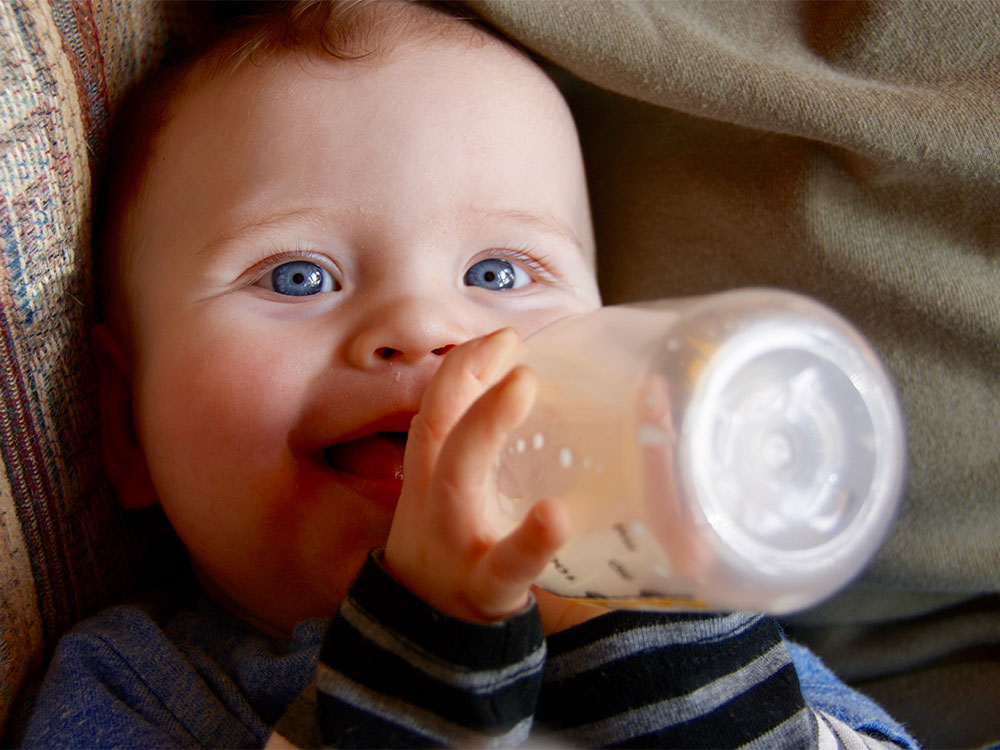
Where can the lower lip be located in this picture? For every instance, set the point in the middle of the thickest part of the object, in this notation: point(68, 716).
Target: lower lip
point(382, 491)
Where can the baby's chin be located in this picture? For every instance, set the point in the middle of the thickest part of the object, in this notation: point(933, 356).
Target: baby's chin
point(276, 617)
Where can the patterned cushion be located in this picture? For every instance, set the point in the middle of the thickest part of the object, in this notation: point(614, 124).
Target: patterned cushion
point(65, 549)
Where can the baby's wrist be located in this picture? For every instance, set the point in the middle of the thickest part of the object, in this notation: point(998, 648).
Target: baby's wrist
point(451, 607)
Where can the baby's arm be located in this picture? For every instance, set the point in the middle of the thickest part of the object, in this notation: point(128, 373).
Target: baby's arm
point(440, 546)
point(643, 679)
point(394, 672)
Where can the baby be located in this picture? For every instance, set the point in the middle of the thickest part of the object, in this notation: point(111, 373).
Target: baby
point(321, 240)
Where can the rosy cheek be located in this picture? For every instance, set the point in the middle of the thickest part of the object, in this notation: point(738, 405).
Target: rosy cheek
point(212, 418)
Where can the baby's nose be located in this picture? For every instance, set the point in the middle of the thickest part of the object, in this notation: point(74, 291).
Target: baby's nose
point(410, 331)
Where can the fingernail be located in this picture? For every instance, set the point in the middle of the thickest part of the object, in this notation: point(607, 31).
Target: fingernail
point(504, 332)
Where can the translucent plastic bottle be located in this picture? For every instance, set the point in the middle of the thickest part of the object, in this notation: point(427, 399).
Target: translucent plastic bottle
point(743, 450)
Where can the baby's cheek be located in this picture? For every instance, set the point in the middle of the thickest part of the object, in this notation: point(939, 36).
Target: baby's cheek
point(203, 421)
point(216, 445)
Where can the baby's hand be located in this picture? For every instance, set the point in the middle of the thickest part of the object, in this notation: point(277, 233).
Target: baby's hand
point(440, 546)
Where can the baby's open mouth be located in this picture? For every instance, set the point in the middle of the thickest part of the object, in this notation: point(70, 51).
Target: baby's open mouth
point(379, 455)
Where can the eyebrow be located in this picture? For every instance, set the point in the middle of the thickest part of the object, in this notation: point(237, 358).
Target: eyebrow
point(544, 221)
point(262, 223)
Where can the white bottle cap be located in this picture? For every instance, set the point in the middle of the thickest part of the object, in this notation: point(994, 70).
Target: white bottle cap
point(792, 443)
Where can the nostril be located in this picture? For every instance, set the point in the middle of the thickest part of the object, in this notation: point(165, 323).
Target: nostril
point(388, 353)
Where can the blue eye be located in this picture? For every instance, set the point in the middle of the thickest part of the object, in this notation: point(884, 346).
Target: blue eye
point(300, 278)
point(496, 274)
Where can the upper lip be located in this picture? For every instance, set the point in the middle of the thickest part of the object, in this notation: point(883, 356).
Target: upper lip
point(372, 452)
point(394, 422)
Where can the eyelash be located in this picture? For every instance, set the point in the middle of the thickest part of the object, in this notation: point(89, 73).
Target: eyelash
point(536, 265)
point(259, 270)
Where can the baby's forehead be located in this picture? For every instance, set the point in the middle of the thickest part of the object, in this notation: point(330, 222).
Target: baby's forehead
point(272, 98)
point(319, 78)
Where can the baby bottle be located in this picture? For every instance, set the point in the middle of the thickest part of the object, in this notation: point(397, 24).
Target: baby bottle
point(742, 450)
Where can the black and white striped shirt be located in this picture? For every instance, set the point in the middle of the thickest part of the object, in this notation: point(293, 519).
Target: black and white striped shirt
point(394, 672)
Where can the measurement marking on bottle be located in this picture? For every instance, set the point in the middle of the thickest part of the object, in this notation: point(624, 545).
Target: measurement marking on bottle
point(562, 569)
point(626, 538)
point(620, 569)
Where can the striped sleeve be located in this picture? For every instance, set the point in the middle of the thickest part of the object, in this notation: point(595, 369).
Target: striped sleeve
point(684, 680)
point(395, 672)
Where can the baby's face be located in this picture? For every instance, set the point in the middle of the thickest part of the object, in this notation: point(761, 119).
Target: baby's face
point(315, 236)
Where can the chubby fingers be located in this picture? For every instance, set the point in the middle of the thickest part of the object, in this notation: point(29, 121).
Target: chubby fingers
point(505, 573)
point(464, 374)
point(501, 571)
point(441, 545)
point(464, 468)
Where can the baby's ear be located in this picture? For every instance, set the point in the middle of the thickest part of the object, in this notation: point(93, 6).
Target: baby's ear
point(124, 460)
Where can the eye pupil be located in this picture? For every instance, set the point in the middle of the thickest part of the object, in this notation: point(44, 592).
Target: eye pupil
point(493, 273)
point(301, 278)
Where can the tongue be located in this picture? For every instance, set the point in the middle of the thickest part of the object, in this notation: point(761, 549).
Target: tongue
point(377, 456)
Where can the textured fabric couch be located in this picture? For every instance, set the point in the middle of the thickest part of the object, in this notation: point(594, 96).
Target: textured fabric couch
point(847, 150)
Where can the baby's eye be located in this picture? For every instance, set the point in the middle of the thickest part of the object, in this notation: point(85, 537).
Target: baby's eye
point(300, 278)
point(496, 274)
